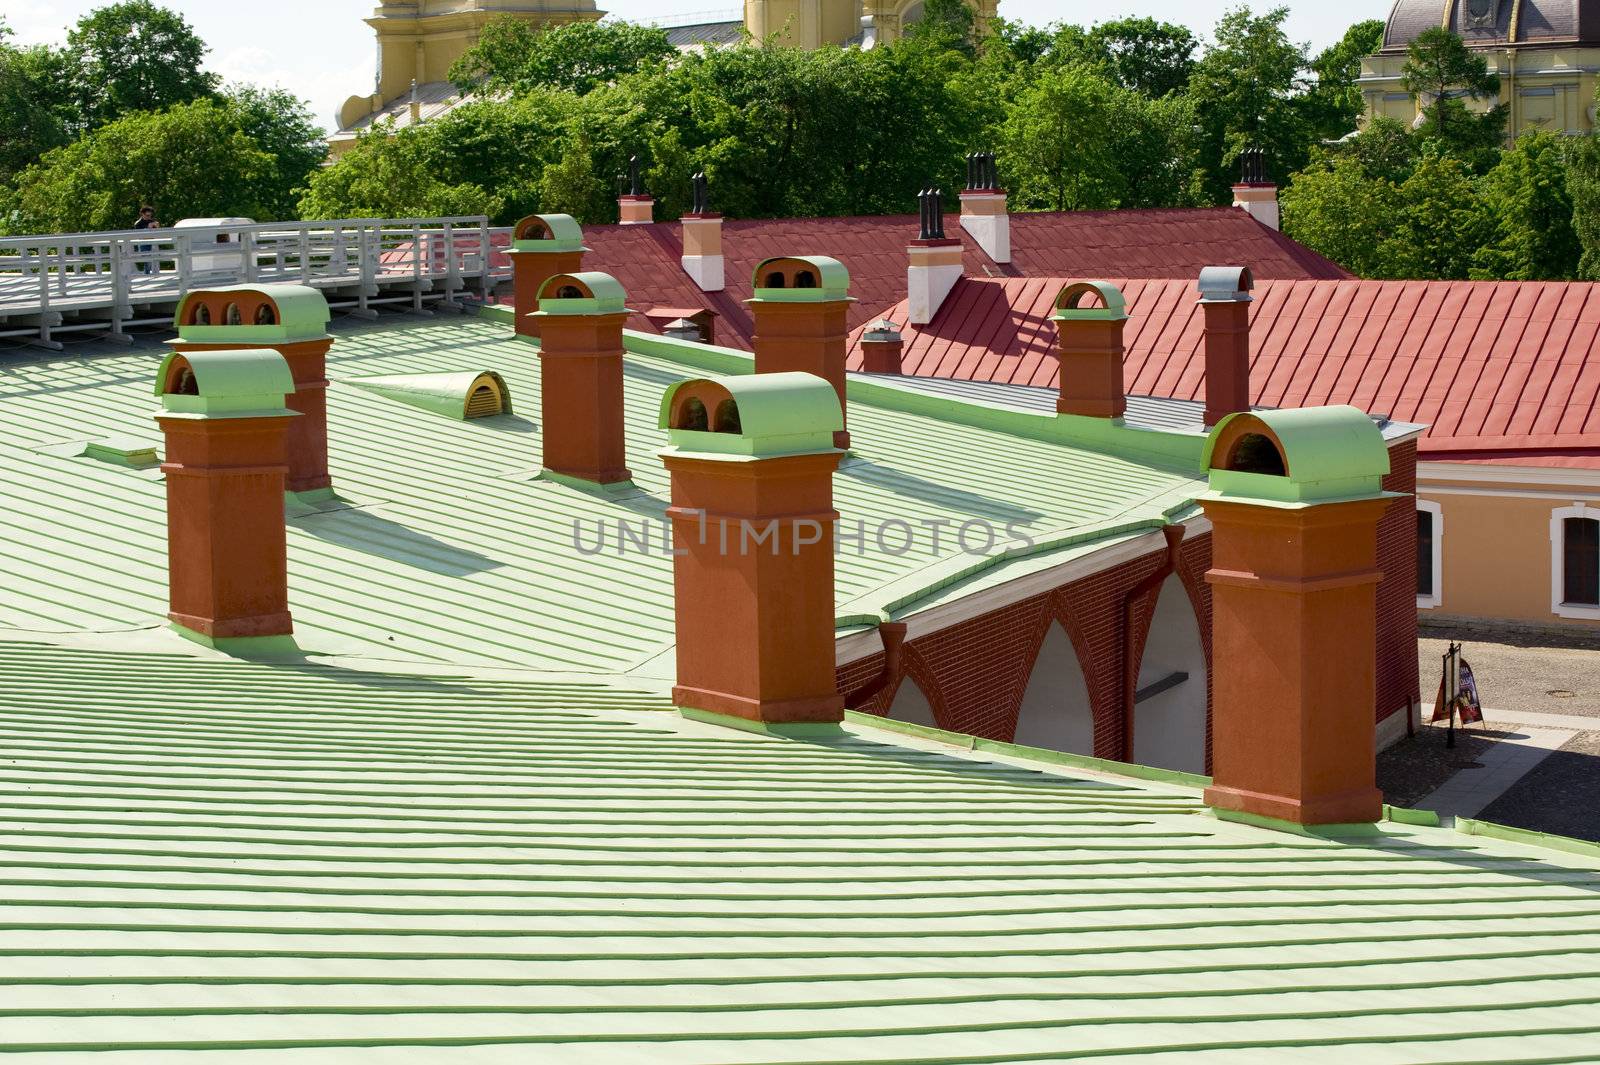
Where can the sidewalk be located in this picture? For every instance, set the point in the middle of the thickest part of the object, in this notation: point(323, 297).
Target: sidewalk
point(1513, 754)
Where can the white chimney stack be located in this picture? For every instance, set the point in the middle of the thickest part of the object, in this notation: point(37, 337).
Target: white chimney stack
point(983, 208)
point(1255, 193)
point(935, 261)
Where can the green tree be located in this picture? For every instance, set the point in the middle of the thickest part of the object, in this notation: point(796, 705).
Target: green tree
point(1336, 208)
point(947, 24)
point(1248, 91)
point(135, 56)
point(35, 115)
point(192, 160)
point(279, 124)
point(1153, 58)
point(1443, 72)
point(512, 56)
point(390, 173)
point(1530, 213)
point(1583, 186)
point(1442, 222)
point(1334, 103)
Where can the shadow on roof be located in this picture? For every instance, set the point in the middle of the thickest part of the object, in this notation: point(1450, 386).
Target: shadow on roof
point(373, 534)
point(920, 488)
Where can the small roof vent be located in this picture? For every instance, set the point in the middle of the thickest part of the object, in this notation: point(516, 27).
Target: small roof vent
point(883, 331)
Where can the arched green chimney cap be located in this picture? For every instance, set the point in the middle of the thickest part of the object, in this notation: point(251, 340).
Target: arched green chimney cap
point(805, 279)
point(772, 414)
point(598, 293)
point(1069, 298)
point(237, 383)
point(1327, 454)
point(297, 312)
point(560, 232)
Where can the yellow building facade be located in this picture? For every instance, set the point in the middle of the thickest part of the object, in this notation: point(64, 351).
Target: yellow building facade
point(1545, 52)
point(815, 23)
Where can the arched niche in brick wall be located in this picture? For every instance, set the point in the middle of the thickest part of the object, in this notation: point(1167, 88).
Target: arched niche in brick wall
point(912, 706)
point(1169, 722)
point(1055, 713)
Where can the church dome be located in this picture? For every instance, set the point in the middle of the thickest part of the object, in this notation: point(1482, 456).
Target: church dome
point(1496, 23)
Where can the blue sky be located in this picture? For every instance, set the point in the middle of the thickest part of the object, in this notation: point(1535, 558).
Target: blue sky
point(320, 49)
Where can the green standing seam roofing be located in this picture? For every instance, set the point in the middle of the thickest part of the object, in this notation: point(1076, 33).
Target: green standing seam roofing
point(379, 856)
point(440, 522)
point(302, 315)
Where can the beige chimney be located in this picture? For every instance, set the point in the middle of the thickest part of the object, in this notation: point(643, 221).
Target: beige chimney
point(935, 262)
point(984, 215)
point(636, 207)
point(702, 241)
point(1255, 193)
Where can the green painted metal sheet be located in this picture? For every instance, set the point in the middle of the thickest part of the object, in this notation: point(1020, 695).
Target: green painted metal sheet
point(1115, 307)
point(833, 281)
point(565, 234)
point(221, 862)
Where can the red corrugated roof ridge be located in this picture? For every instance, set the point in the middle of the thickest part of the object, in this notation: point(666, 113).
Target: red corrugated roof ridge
point(1497, 369)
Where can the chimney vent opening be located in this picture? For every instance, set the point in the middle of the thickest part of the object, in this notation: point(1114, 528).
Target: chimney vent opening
point(775, 279)
point(266, 315)
point(232, 315)
point(805, 279)
point(728, 417)
point(1256, 453)
point(569, 292)
point(199, 313)
point(181, 380)
point(692, 416)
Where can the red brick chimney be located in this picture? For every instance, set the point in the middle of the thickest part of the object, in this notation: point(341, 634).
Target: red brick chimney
point(580, 364)
point(226, 429)
point(881, 347)
point(1090, 351)
point(752, 462)
point(291, 320)
point(1225, 300)
point(542, 246)
point(1296, 498)
point(801, 310)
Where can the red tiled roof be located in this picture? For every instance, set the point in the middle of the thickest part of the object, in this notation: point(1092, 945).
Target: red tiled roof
point(1164, 243)
point(1497, 370)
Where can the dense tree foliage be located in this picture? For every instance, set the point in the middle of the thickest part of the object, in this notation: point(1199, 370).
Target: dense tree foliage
point(232, 155)
point(1125, 113)
point(135, 56)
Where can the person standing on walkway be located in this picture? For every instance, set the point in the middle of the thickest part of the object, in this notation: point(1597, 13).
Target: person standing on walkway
point(147, 220)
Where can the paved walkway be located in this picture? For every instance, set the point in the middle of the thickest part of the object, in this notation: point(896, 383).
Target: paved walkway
point(1529, 740)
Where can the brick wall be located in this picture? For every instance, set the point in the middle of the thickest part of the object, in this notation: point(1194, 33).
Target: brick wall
point(1397, 592)
point(975, 673)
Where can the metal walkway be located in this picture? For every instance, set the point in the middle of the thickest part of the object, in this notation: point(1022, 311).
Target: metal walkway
point(102, 283)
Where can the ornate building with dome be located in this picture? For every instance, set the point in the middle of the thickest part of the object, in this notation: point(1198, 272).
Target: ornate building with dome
point(1546, 53)
point(419, 40)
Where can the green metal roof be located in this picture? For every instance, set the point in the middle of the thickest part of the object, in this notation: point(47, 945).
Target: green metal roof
point(230, 862)
point(1330, 453)
point(780, 414)
point(302, 315)
point(468, 827)
point(442, 522)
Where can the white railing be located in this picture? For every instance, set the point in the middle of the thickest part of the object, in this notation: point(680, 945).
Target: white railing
point(104, 281)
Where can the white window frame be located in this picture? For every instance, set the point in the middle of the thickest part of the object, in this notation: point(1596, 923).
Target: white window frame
point(1431, 602)
point(1558, 562)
